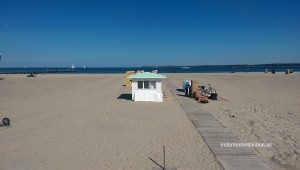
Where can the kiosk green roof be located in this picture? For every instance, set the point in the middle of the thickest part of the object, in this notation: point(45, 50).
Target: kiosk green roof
point(147, 75)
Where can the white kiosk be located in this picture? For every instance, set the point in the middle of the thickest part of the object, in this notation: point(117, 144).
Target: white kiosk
point(147, 87)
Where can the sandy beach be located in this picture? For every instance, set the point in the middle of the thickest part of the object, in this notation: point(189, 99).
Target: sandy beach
point(260, 108)
point(77, 122)
point(86, 121)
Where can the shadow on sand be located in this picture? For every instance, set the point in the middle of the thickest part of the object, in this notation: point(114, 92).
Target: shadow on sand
point(2, 78)
point(183, 95)
point(180, 90)
point(125, 96)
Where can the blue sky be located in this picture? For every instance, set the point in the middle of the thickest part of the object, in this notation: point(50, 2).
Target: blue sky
point(148, 32)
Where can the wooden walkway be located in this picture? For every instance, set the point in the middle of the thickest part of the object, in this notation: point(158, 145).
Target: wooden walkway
point(214, 133)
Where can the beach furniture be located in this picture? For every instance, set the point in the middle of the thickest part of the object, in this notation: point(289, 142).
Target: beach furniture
point(155, 71)
point(194, 87)
point(128, 80)
point(147, 86)
point(200, 97)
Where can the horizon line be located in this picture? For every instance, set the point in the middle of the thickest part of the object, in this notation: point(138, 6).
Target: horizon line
point(266, 64)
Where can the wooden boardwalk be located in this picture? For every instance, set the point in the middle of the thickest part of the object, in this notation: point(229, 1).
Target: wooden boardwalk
point(214, 133)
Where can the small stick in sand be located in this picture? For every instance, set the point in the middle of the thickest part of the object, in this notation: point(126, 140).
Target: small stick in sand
point(164, 155)
point(164, 159)
point(156, 163)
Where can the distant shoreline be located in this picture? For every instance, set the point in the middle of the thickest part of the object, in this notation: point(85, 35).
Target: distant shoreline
point(236, 65)
point(170, 66)
point(161, 69)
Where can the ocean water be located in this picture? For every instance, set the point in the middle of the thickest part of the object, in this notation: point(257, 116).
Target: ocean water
point(169, 69)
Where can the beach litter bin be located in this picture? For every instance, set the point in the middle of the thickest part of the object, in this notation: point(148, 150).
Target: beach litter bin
point(184, 83)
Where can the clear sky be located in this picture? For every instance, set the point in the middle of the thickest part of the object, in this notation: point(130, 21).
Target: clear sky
point(148, 32)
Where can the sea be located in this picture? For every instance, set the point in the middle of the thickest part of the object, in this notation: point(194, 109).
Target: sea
point(161, 69)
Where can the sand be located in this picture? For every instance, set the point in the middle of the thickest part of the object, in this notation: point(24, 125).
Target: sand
point(87, 122)
point(260, 108)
